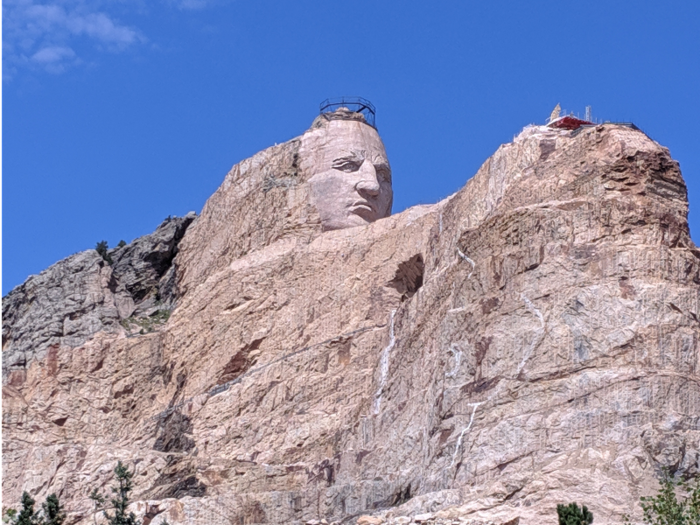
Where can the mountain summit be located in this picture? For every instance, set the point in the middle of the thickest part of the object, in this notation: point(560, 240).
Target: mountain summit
point(297, 353)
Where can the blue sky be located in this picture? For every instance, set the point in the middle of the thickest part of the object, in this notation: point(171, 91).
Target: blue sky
point(118, 113)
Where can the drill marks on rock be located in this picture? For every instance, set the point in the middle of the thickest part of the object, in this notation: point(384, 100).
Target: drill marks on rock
point(495, 385)
point(464, 257)
point(563, 408)
point(223, 387)
point(466, 429)
point(384, 365)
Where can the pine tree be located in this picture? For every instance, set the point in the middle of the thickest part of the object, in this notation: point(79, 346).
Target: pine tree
point(53, 512)
point(572, 514)
point(121, 500)
point(102, 248)
point(99, 502)
point(26, 516)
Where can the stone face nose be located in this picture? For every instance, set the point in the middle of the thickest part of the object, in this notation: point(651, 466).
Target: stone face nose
point(368, 183)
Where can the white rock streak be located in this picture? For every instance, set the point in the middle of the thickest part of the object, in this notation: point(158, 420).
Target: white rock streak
point(458, 360)
point(464, 431)
point(384, 365)
point(540, 332)
point(533, 310)
point(463, 256)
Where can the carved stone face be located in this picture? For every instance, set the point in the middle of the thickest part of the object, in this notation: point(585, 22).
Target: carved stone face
point(350, 177)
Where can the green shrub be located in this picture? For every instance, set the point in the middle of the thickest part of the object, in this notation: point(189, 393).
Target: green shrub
point(102, 248)
point(667, 509)
point(52, 512)
point(120, 501)
point(98, 500)
point(26, 516)
point(572, 514)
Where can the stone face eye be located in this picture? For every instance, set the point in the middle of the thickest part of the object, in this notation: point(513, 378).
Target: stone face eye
point(383, 173)
point(347, 165)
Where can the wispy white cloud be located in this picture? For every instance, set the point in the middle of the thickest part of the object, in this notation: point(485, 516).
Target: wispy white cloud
point(45, 34)
point(55, 35)
point(49, 55)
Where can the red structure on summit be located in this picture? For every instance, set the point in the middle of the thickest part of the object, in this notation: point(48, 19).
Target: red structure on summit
point(569, 122)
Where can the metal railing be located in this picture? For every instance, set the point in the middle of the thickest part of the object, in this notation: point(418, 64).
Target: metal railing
point(354, 104)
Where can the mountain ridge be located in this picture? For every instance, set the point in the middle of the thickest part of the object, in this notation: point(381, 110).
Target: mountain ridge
point(530, 340)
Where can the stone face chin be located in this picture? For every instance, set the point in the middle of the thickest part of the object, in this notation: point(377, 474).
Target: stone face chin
point(531, 340)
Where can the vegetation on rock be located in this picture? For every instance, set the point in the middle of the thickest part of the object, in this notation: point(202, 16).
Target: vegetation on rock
point(26, 516)
point(572, 514)
point(102, 248)
point(52, 512)
point(120, 501)
point(146, 324)
point(667, 508)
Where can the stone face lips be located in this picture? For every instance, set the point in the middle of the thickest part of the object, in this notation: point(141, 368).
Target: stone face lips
point(531, 340)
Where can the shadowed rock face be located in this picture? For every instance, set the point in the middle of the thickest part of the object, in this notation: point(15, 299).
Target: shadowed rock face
point(82, 295)
point(531, 340)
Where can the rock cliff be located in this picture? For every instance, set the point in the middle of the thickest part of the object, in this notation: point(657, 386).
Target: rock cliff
point(531, 340)
point(82, 295)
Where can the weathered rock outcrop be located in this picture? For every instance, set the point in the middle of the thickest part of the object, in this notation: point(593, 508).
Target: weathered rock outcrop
point(531, 340)
point(82, 295)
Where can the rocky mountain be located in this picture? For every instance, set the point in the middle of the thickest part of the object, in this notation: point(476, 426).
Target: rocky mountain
point(531, 340)
point(84, 294)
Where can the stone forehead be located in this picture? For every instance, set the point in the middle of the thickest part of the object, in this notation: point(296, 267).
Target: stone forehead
point(321, 145)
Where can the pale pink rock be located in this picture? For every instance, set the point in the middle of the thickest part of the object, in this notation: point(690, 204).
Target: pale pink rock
point(531, 340)
point(369, 520)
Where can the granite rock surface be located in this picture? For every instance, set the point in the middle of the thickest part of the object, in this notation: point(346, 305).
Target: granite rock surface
point(83, 294)
point(531, 340)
